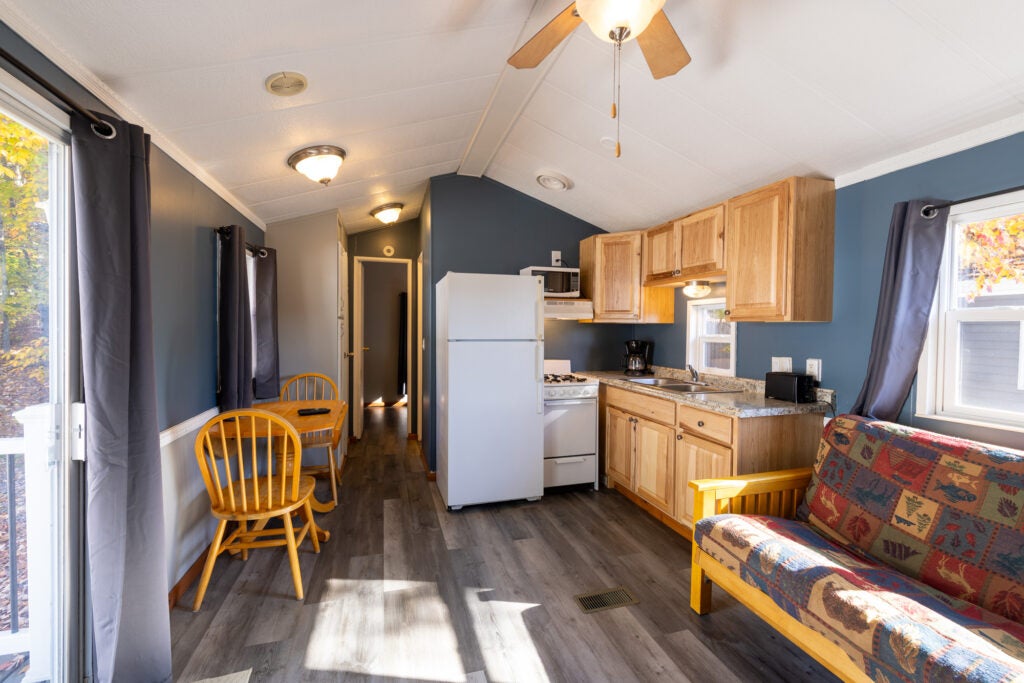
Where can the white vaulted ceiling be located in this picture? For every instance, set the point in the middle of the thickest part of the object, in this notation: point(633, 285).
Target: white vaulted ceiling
point(775, 88)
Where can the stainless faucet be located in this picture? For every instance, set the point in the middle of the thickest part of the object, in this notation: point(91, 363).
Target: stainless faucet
point(693, 373)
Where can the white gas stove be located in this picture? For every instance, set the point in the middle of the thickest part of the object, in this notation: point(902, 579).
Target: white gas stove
point(570, 426)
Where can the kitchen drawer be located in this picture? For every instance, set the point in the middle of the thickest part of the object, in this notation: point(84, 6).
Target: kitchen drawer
point(574, 469)
point(709, 425)
point(657, 409)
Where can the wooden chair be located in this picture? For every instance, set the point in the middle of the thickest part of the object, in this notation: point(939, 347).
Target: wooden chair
point(313, 386)
point(230, 449)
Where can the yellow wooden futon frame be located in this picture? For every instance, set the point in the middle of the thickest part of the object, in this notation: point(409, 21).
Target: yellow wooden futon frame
point(768, 493)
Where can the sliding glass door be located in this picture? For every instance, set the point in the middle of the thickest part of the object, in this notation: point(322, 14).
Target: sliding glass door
point(40, 531)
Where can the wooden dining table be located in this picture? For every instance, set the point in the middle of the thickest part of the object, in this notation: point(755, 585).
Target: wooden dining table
point(309, 424)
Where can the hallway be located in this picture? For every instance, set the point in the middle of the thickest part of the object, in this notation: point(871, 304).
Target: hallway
point(405, 591)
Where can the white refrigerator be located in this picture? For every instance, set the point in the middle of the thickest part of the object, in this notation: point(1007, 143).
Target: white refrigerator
point(490, 388)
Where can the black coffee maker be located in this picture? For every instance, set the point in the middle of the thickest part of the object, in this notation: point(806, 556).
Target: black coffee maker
point(638, 357)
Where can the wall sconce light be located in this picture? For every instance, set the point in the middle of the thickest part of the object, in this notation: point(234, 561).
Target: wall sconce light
point(697, 289)
point(319, 163)
point(388, 213)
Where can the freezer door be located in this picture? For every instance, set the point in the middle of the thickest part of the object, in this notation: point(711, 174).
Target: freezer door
point(495, 422)
point(494, 306)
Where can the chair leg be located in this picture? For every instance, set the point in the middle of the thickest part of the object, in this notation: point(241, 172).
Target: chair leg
point(211, 558)
point(307, 512)
point(244, 526)
point(333, 474)
point(293, 555)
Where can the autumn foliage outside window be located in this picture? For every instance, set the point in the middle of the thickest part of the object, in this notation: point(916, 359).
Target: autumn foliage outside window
point(991, 254)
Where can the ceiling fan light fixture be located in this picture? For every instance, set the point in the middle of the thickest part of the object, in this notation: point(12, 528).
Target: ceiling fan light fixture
point(388, 213)
point(319, 163)
point(697, 289)
point(607, 18)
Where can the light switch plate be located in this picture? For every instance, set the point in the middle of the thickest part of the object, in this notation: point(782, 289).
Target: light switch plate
point(782, 364)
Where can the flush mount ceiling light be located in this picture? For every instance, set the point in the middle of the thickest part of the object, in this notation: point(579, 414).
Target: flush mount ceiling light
point(697, 289)
point(550, 180)
point(387, 213)
point(319, 163)
point(285, 83)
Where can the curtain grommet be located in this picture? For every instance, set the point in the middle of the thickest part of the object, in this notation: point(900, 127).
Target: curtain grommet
point(106, 136)
point(929, 211)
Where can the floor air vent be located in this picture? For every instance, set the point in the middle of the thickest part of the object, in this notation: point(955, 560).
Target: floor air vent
point(607, 598)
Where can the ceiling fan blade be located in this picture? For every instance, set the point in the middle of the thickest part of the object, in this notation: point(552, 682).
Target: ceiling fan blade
point(547, 39)
point(664, 52)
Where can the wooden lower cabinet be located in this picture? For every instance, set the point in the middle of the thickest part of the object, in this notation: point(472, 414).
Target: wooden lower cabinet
point(654, 447)
point(619, 446)
point(655, 463)
point(697, 458)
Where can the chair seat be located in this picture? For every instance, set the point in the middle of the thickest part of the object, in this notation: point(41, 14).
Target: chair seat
point(270, 504)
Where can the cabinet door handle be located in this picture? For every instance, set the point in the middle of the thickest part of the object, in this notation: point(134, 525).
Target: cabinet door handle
point(676, 272)
point(727, 312)
point(679, 437)
point(700, 423)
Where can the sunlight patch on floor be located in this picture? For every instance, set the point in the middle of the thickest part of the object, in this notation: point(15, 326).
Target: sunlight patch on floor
point(504, 638)
point(393, 628)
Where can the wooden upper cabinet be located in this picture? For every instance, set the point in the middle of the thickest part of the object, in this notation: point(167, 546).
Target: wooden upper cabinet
point(662, 253)
point(610, 269)
point(779, 252)
point(703, 243)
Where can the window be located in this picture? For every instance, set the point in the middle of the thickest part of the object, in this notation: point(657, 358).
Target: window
point(36, 476)
point(711, 339)
point(972, 368)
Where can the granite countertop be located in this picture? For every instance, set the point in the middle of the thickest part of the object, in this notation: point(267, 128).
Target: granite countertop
point(746, 400)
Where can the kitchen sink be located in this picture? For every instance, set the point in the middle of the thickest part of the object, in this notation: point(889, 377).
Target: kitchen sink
point(682, 386)
point(654, 381)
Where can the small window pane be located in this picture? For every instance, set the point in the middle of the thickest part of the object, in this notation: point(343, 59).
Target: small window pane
point(712, 321)
point(717, 355)
point(990, 365)
point(990, 262)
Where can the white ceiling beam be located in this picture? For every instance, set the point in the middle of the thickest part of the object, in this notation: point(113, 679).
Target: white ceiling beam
point(511, 94)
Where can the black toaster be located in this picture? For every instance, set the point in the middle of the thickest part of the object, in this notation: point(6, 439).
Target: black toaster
point(790, 386)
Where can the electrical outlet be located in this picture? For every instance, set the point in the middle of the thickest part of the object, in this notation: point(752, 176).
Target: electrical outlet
point(782, 364)
point(556, 258)
point(814, 368)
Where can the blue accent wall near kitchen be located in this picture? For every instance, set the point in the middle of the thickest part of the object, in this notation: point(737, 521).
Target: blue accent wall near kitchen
point(183, 248)
point(477, 225)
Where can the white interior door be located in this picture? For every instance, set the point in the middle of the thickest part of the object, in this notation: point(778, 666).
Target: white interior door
point(419, 347)
point(356, 406)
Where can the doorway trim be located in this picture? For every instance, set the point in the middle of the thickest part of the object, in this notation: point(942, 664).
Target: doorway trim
point(358, 373)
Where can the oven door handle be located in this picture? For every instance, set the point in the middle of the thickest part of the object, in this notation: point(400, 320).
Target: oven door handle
point(569, 402)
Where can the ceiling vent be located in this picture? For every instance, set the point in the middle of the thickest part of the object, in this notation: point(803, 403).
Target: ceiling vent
point(286, 83)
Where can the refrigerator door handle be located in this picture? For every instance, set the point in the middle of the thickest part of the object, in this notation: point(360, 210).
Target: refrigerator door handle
point(540, 309)
point(539, 368)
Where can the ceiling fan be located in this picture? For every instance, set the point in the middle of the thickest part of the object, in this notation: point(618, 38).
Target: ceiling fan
point(613, 21)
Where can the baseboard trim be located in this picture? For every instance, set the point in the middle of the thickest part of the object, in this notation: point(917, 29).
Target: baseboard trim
point(186, 581)
point(172, 434)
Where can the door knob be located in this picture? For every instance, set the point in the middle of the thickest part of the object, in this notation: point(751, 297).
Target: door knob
point(366, 348)
point(350, 354)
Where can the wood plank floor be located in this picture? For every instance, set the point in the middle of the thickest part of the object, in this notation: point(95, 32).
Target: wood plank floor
point(406, 591)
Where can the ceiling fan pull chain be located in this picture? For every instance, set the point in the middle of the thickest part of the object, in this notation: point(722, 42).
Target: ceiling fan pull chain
point(614, 108)
point(618, 97)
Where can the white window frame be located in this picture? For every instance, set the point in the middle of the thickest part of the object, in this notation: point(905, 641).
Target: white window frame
point(695, 340)
point(938, 368)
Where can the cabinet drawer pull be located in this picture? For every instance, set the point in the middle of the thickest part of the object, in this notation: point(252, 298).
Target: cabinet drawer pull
point(700, 423)
point(569, 461)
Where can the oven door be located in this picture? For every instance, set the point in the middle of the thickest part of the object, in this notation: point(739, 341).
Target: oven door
point(570, 427)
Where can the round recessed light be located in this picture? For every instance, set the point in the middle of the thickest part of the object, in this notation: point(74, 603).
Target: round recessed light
point(285, 83)
point(550, 180)
point(607, 142)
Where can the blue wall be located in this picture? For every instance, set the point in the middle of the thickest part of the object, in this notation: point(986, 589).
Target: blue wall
point(477, 225)
point(184, 213)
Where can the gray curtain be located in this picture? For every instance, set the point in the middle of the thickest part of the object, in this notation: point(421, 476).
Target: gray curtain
point(234, 337)
point(912, 259)
point(267, 379)
point(124, 509)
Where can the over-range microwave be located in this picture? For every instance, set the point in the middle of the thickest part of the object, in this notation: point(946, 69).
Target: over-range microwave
point(558, 282)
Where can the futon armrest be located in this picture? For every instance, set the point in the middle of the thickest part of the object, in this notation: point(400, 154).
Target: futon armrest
point(767, 493)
